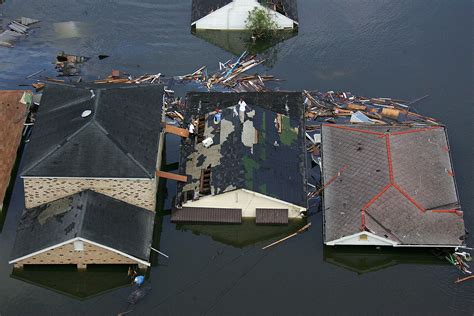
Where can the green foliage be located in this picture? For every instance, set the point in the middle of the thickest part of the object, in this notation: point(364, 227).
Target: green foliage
point(260, 23)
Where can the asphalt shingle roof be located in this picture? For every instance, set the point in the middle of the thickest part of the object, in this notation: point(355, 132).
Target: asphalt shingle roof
point(396, 182)
point(119, 139)
point(89, 215)
point(251, 155)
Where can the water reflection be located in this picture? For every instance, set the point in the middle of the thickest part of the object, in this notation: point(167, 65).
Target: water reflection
point(65, 279)
point(236, 42)
point(245, 234)
point(68, 29)
point(369, 259)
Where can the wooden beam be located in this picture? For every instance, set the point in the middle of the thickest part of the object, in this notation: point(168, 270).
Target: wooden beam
point(172, 176)
point(176, 131)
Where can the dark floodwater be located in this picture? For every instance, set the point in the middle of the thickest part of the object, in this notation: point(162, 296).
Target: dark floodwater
point(402, 49)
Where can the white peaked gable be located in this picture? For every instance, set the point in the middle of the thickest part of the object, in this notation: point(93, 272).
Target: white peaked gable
point(362, 238)
point(233, 16)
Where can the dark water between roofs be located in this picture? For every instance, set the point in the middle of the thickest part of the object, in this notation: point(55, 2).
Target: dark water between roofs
point(400, 49)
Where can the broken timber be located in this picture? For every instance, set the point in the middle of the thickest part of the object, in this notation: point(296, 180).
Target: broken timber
point(176, 131)
point(172, 176)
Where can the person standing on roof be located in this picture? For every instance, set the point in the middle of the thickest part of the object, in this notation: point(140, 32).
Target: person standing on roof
point(242, 108)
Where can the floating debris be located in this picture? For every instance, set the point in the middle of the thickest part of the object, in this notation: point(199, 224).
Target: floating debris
point(118, 77)
point(230, 75)
point(138, 294)
point(17, 29)
point(299, 231)
point(69, 65)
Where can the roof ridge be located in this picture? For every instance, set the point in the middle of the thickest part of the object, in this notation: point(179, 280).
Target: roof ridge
point(120, 147)
point(57, 147)
point(68, 104)
point(84, 210)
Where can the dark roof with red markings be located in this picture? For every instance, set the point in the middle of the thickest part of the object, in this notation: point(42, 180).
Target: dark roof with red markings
point(396, 182)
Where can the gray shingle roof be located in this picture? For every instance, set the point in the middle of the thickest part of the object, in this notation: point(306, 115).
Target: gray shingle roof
point(201, 8)
point(89, 215)
point(396, 182)
point(243, 154)
point(119, 139)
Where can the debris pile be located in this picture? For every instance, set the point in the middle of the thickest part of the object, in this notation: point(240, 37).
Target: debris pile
point(459, 260)
point(16, 29)
point(343, 107)
point(230, 75)
point(173, 106)
point(69, 65)
point(118, 77)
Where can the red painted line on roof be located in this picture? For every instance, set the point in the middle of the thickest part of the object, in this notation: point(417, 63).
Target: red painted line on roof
point(389, 157)
point(335, 177)
point(457, 212)
point(366, 206)
point(409, 198)
point(416, 130)
point(353, 129)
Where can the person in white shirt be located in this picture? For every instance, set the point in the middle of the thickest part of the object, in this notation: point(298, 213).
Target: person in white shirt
point(242, 107)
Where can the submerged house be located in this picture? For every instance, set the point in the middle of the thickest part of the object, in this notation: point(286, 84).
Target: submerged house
point(106, 138)
point(389, 186)
point(249, 163)
point(233, 14)
point(81, 229)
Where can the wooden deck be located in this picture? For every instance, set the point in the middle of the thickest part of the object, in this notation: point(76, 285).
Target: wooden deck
point(12, 118)
point(207, 215)
point(268, 216)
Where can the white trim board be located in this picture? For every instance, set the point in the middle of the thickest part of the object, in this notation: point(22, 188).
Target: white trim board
point(83, 240)
point(345, 241)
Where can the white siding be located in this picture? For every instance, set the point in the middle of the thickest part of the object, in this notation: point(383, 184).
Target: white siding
point(233, 16)
point(248, 201)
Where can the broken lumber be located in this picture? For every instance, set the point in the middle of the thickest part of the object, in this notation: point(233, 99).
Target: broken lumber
point(302, 229)
point(172, 176)
point(176, 131)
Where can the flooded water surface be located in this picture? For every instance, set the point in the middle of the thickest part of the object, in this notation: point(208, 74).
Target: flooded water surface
point(399, 49)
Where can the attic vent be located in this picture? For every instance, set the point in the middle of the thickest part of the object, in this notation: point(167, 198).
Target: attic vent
point(78, 245)
point(86, 113)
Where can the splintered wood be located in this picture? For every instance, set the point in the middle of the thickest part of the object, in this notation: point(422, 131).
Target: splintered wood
point(231, 75)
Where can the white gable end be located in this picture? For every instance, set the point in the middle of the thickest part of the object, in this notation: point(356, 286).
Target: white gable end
point(233, 16)
point(361, 239)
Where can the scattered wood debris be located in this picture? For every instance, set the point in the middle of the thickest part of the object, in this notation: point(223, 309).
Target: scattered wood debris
point(17, 29)
point(230, 75)
point(118, 77)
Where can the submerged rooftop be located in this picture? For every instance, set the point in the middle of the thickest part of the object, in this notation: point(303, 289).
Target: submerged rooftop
point(264, 153)
point(394, 182)
point(89, 215)
point(109, 131)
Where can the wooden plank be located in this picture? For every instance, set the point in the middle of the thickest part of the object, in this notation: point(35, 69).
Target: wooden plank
point(172, 176)
point(176, 131)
